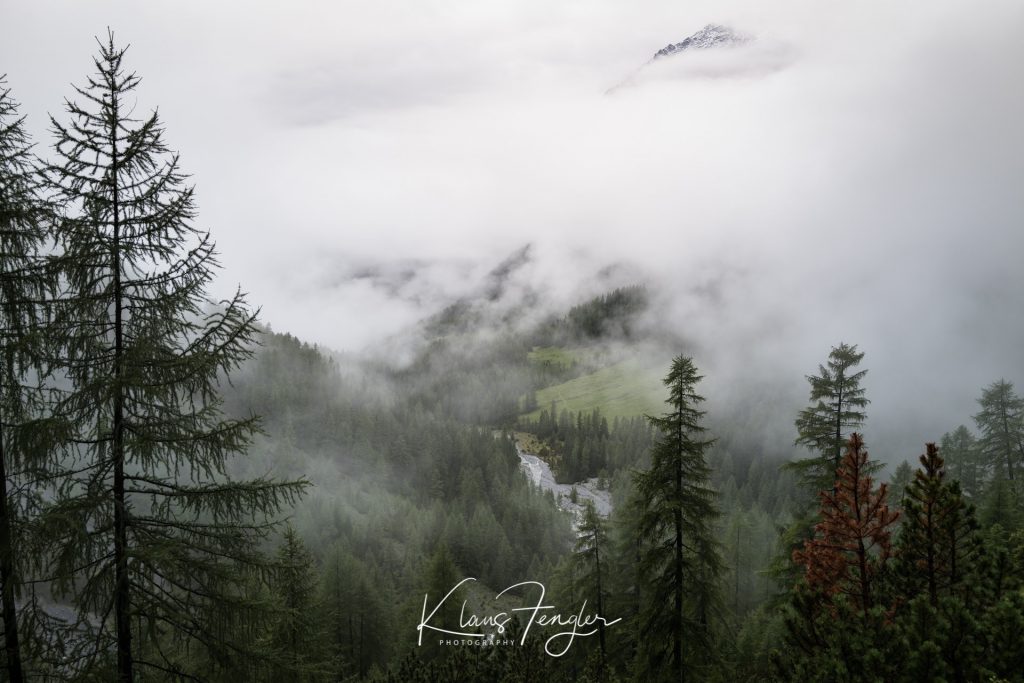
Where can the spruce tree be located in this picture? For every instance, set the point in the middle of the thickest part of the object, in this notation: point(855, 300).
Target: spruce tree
point(591, 551)
point(294, 637)
point(155, 540)
point(681, 560)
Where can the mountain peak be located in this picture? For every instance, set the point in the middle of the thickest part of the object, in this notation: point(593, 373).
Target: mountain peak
point(712, 35)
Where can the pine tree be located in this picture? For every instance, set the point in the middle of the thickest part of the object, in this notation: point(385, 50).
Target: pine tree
point(155, 539)
point(935, 572)
point(681, 560)
point(1001, 423)
point(837, 405)
point(937, 547)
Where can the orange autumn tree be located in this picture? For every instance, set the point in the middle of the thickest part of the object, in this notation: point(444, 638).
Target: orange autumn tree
point(853, 540)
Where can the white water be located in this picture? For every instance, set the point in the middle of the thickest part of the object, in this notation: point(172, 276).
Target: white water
point(540, 474)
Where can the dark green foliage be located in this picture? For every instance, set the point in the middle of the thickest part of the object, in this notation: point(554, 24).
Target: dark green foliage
point(901, 479)
point(680, 557)
point(963, 461)
point(501, 663)
point(354, 618)
point(25, 287)
point(1001, 505)
point(945, 607)
point(581, 446)
point(441, 578)
point(152, 540)
point(938, 546)
point(833, 641)
point(837, 407)
point(591, 550)
point(295, 633)
point(609, 315)
point(1001, 425)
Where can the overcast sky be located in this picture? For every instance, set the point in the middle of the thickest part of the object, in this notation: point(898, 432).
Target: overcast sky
point(854, 173)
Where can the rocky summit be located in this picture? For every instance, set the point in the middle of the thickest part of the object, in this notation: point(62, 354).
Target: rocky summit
point(712, 35)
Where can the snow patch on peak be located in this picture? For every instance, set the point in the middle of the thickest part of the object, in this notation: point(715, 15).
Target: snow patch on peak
point(712, 35)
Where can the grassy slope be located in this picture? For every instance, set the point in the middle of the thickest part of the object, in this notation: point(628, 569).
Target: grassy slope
point(554, 355)
point(625, 389)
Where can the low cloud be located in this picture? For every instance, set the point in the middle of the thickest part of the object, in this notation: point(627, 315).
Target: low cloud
point(852, 174)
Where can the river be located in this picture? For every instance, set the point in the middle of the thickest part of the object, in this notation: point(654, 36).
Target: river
point(540, 474)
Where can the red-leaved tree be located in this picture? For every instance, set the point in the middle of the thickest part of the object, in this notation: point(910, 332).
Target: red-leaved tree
point(853, 540)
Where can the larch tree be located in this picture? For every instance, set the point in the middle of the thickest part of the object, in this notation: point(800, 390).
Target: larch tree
point(1001, 423)
point(837, 404)
point(853, 540)
point(25, 286)
point(155, 539)
point(963, 460)
point(837, 407)
point(681, 560)
point(836, 626)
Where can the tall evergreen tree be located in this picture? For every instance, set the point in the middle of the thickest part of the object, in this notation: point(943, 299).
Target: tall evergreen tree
point(590, 551)
point(901, 479)
point(1001, 423)
point(24, 285)
point(937, 546)
point(442, 576)
point(155, 539)
point(355, 616)
point(963, 461)
point(681, 560)
point(837, 407)
point(294, 637)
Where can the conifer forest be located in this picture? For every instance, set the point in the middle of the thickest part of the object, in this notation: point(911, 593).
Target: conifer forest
point(448, 344)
